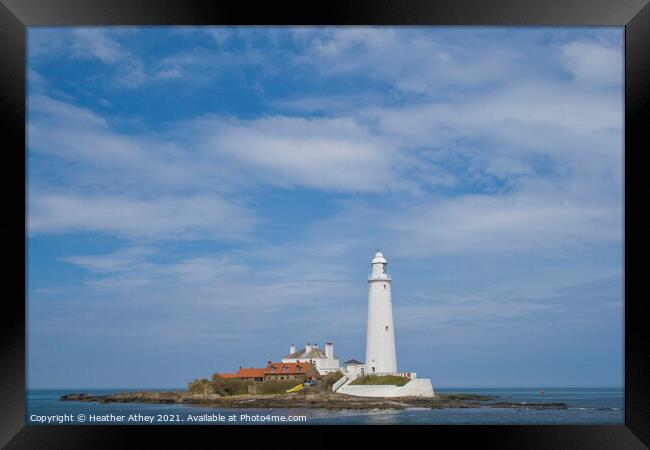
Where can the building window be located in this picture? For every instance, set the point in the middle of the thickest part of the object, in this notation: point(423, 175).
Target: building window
point(386, 327)
point(384, 287)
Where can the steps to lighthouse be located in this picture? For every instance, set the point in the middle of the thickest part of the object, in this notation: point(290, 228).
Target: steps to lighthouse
point(344, 379)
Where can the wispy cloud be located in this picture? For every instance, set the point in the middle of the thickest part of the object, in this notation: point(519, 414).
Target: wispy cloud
point(593, 63)
point(124, 185)
point(177, 217)
point(96, 43)
point(326, 153)
point(420, 64)
point(506, 224)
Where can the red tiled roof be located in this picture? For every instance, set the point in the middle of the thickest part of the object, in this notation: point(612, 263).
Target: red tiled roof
point(287, 368)
point(250, 373)
point(227, 375)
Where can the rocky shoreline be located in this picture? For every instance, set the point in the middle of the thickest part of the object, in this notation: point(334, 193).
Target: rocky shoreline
point(319, 400)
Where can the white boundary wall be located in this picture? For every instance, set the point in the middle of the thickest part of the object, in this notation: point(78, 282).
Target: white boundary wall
point(418, 387)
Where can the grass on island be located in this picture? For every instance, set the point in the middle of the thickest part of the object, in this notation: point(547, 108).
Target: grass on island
point(275, 386)
point(328, 380)
point(381, 379)
point(228, 387)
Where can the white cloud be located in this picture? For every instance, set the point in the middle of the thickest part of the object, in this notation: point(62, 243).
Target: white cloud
point(103, 45)
point(426, 317)
point(122, 267)
point(45, 42)
point(334, 154)
point(96, 43)
point(164, 217)
point(170, 73)
point(79, 136)
point(522, 222)
point(221, 35)
point(63, 112)
point(133, 186)
point(127, 259)
point(378, 150)
point(411, 60)
point(504, 112)
point(594, 63)
point(229, 293)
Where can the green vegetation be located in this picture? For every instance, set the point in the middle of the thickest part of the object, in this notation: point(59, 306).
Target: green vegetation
point(202, 386)
point(381, 379)
point(226, 387)
point(275, 386)
point(328, 380)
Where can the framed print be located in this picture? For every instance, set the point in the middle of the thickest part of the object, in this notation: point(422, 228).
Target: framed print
point(371, 216)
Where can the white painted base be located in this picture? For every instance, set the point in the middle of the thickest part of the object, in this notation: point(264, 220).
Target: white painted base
point(417, 387)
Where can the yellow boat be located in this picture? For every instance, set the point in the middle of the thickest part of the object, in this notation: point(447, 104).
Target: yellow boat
point(295, 388)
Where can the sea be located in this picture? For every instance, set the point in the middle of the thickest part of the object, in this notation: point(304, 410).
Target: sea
point(586, 406)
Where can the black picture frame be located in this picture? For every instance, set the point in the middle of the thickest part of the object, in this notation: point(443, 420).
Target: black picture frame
point(16, 15)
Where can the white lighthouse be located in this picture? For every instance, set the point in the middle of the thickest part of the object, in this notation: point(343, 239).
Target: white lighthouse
point(380, 347)
point(380, 341)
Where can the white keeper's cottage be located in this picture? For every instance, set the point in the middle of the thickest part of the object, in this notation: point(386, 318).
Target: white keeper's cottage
point(325, 361)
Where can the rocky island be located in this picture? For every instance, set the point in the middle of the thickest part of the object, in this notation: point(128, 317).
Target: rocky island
point(308, 398)
point(232, 393)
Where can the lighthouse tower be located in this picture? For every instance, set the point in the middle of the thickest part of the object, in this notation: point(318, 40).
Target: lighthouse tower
point(380, 341)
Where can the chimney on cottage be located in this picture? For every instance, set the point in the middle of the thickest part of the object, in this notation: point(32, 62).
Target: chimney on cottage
point(329, 350)
point(307, 348)
point(292, 349)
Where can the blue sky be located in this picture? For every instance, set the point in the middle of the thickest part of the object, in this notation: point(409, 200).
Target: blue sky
point(200, 198)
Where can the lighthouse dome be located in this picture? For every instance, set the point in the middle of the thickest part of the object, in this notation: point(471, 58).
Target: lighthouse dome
point(379, 258)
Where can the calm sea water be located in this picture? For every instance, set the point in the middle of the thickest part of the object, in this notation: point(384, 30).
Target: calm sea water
point(586, 406)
